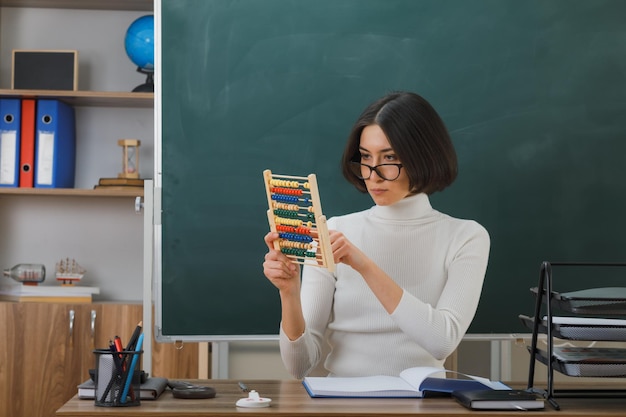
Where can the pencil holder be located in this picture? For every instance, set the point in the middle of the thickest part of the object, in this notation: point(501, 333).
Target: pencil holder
point(115, 384)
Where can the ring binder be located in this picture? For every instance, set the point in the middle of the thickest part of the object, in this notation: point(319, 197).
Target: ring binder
point(9, 142)
point(55, 153)
point(27, 143)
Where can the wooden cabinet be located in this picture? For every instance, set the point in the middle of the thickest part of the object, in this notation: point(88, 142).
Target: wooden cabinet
point(40, 348)
point(46, 350)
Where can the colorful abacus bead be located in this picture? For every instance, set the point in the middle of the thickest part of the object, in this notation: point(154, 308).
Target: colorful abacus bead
point(285, 198)
point(295, 237)
point(286, 191)
point(287, 213)
point(289, 222)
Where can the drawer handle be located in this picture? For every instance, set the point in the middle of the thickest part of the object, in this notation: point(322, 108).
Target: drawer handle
point(93, 324)
point(72, 315)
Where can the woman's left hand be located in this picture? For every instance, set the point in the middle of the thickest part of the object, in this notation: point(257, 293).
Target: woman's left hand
point(384, 288)
point(345, 252)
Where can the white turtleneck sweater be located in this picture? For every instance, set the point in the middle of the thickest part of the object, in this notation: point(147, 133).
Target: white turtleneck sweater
point(440, 263)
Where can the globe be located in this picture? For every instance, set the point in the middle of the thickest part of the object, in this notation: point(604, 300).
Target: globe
point(139, 42)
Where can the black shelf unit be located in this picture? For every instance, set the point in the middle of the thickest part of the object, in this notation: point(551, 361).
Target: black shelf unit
point(594, 302)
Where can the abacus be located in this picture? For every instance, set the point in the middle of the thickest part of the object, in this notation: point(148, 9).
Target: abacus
point(295, 213)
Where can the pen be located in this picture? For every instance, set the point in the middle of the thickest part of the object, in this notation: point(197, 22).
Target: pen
point(116, 358)
point(133, 339)
point(131, 370)
point(243, 387)
point(123, 359)
point(118, 344)
point(118, 347)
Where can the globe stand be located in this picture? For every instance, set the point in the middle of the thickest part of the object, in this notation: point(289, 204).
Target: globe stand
point(148, 86)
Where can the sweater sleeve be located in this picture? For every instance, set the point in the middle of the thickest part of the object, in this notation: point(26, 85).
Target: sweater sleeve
point(304, 354)
point(439, 328)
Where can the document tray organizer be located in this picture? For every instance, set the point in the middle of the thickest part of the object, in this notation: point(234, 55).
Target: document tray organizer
point(610, 301)
point(584, 368)
point(597, 302)
point(608, 330)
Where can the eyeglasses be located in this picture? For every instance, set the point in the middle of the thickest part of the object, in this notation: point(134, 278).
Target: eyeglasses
point(387, 172)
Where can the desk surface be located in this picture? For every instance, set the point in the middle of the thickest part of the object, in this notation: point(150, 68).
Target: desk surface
point(290, 398)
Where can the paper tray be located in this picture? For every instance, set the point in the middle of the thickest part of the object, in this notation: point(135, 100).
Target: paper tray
point(607, 301)
point(580, 328)
point(582, 368)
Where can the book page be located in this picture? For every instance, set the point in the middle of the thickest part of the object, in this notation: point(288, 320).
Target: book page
point(415, 376)
point(358, 384)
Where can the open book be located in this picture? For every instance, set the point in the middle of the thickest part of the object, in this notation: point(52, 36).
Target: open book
point(412, 383)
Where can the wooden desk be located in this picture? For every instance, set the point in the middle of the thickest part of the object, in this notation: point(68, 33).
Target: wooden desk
point(290, 398)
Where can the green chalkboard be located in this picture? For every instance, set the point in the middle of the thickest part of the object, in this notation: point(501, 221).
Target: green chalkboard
point(533, 93)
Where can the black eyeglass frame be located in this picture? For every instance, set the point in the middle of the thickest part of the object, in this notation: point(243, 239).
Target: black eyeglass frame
point(358, 166)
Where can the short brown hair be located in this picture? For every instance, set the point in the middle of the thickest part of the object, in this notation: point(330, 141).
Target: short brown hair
point(417, 135)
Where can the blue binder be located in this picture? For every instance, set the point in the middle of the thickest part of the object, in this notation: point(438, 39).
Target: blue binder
point(10, 111)
point(55, 145)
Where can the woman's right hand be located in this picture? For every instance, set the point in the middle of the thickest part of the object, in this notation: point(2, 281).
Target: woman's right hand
point(285, 275)
point(280, 270)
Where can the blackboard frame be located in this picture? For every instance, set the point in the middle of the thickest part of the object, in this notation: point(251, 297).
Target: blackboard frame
point(535, 115)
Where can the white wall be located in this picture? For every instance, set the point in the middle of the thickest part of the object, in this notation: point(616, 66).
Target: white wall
point(105, 236)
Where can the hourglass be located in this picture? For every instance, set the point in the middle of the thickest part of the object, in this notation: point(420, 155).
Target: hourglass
point(130, 161)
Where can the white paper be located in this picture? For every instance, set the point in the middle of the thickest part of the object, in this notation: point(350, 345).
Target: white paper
point(45, 157)
point(587, 321)
point(8, 142)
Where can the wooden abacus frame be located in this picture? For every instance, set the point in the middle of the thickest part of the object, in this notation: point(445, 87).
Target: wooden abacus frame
point(286, 210)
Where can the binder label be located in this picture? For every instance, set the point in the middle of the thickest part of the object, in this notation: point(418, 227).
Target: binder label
point(8, 143)
point(45, 158)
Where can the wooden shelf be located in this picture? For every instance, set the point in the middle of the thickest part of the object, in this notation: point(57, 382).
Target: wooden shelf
point(139, 5)
point(88, 98)
point(76, 192)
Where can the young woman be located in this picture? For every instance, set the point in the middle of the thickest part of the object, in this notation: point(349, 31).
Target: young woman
point(408, 278)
